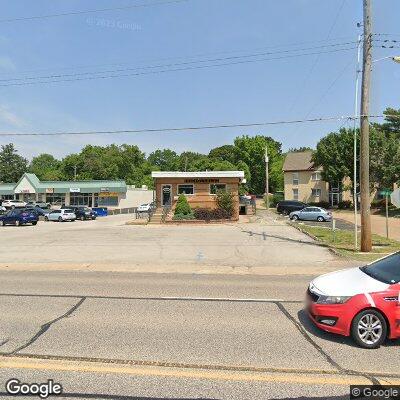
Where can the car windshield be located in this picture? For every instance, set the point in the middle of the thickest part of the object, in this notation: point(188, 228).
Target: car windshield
point(67, 210)
point(386, 269)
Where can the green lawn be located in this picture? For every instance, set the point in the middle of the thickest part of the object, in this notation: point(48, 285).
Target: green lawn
point(343, 242)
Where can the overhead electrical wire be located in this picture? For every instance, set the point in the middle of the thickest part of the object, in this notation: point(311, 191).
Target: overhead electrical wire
point(184, 68)
point(195, 128)
point(35, 17)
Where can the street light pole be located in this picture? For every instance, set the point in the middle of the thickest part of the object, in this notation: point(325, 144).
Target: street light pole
point(366, 240)
point(267, 178)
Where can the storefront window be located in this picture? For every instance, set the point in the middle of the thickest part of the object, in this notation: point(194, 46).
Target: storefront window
point(217, 187)
point(111, 201)
point(7, 197)
point(185, 189)
point(81, 199)
point(55, 198)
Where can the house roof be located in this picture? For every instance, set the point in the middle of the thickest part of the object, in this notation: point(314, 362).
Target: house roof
point(299, 161)
point(65, 186)
point(198, 174)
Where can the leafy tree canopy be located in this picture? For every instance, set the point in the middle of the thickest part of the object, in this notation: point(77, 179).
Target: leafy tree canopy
point(12, 165)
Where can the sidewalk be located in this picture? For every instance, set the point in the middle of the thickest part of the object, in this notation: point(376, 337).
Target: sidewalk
point(378, 223)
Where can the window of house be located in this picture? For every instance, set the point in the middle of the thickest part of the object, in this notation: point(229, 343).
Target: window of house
point(185, 189)
point(316, 176)
point(295, 178)
point(316, 192)
point(217, 187)
point(295, 194)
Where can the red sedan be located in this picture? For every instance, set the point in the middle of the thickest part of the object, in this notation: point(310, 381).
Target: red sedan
point(363, 303)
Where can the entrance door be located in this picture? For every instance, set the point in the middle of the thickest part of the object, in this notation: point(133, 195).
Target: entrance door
point(166, 195)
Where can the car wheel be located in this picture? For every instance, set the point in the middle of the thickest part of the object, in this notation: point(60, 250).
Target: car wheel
point(295, 217)
point(369, 329)
point(34, 222)
point(17, 223)
point(82, 218)
point(46, 218)
point(60, 219)
point(3, 223)
point(285, 212)
point(321, 219)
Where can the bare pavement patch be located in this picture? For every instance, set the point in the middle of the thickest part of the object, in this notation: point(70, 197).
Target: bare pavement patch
point(267, 246)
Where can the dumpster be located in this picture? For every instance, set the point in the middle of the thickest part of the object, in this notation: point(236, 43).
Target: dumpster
point(101, 211)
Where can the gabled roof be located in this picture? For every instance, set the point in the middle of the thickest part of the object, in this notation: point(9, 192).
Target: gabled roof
point(299, 161)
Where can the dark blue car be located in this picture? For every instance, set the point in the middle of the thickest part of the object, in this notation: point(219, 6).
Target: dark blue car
point(19, 217)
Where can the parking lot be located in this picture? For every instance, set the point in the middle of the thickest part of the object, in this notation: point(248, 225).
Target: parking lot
point(266, 246)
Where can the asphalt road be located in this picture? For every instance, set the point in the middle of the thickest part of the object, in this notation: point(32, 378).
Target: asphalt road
point(176, 336)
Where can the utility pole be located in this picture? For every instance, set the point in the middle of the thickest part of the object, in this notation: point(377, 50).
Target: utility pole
point(267, 177)
point(366, 240)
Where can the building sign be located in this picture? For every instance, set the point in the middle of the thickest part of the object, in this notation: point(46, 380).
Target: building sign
point(74, 190)
point(23, 191)
point(202, 180)
point(104, 190)
point(49, 190)
point(108, 194)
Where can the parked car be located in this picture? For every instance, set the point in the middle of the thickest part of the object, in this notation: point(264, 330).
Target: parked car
point(2, 210)
point(84, 212)
point(65, 214)
point(287, 206)
point(311, 214)
point(11, 204)
point(18, 217)
point(147, 207)
point(41, 204)
point(362, 302)
point(39, 210)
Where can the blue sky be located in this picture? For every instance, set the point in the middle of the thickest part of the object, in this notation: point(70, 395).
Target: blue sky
point(290, 88)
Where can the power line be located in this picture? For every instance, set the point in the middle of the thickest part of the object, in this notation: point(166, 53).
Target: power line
point(195, 128)
point(34, 17)
point(314, 64)
point(176, 64)
point(193, 67)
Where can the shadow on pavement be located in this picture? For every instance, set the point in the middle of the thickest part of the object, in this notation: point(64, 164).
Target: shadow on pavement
point(345, 397)
point(100, 396)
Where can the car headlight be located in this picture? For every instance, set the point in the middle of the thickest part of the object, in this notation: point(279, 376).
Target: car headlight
point(333, 299)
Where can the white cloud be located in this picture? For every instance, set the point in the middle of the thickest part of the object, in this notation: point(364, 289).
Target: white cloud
point(10, 118)
point(7, 64)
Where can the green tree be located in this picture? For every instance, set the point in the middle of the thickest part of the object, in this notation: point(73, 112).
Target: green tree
point(45, 167)
point(227, 152)
point(299, 149)
point(182, 206)
point(164, 160)
point(12, 165)
point(392, 121)
point(335, 154)
point(252, 149)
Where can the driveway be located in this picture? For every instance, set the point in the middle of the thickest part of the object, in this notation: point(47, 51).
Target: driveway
point(266, 246)
point(378, 223)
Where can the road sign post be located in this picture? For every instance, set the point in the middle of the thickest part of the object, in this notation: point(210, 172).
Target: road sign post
point(387, 193)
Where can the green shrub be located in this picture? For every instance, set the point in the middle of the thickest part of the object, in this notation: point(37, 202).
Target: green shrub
point(183, 217)
point(345, 204)
point(206, 214)
point(322, 204)
point(274, 199)
point(226, 202)
point(182, 206)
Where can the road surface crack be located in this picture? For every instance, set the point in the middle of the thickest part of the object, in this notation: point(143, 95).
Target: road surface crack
point(45, 327)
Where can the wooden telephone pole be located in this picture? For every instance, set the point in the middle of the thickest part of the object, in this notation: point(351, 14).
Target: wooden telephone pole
point(366, 240)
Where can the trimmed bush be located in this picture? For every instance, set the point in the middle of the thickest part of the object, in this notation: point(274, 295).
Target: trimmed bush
point(208, 215)
point(183, 217)
point(182, 206)
point(226, 202)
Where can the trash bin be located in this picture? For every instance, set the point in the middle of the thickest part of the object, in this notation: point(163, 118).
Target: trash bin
point(101, 211)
